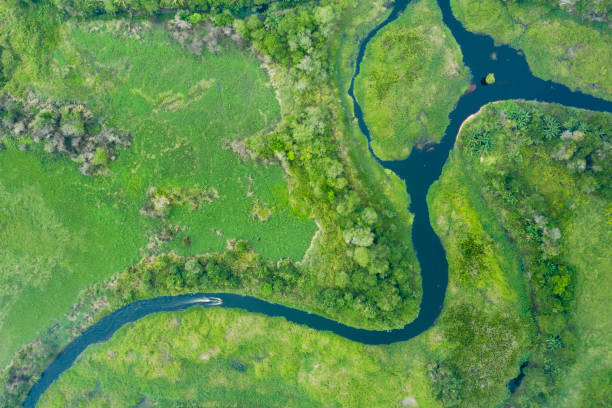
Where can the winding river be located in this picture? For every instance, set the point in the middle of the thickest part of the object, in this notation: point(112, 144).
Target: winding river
point(514, 80)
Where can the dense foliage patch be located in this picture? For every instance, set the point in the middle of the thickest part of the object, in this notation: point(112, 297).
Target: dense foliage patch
point(68, 129)
point(364, 252)
point(97, 7)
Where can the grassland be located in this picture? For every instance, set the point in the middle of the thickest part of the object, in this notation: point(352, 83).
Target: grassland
point(411, 77)
point(62, 231)
point(184, 114)
point(558, 45)
point(53, 244)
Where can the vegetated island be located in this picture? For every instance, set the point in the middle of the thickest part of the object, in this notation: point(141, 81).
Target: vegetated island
point(526, 241)
point(564, 41)
point(411, 78)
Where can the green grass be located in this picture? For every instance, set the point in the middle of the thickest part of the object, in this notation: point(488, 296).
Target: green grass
point(591, 232)
point(62, 231)
point(558, 46)
point(58, 234)
point(228, 358)
point(184, 145)
point(411, 78)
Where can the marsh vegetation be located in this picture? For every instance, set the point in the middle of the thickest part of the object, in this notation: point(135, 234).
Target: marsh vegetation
point(411, 78)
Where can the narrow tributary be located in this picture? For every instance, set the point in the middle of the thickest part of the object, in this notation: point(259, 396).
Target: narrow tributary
point(514, 80)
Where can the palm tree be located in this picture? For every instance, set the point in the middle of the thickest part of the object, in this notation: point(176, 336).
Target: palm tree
point(551, 127)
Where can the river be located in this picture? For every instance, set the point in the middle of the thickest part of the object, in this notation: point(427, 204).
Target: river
point(514, 80)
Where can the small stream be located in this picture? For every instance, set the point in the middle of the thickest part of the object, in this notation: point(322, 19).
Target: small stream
point(514, 80)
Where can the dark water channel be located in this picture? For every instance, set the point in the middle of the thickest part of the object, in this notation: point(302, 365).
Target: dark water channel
point(514, 80)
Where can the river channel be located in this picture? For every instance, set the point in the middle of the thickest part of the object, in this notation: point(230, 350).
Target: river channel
point(514, 80)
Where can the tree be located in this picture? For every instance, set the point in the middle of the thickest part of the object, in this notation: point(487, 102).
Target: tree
point(358, 236)
point(369, 216)
point(361, 256)
point(520, 116)
point(195, 18)
point(479, 141)
point(551, 127)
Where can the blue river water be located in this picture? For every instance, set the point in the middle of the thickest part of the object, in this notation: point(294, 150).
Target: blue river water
point(514, 80)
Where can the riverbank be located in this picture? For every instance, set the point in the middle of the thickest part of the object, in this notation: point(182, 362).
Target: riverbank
point(559, 43)
point(511, 207)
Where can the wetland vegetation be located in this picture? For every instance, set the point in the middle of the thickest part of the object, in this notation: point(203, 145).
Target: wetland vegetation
point(525, 199)
point(411, 78)
point(185, 93)
point(526, 282)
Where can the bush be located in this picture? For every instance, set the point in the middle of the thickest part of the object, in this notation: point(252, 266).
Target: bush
point(479, 141)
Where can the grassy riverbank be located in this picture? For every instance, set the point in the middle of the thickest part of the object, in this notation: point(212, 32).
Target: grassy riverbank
point(567, 48)
point(228, 357)
point(411, 77)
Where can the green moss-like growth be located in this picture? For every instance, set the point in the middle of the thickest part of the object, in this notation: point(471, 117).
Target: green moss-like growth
point(411, 77)
point(558, 46)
